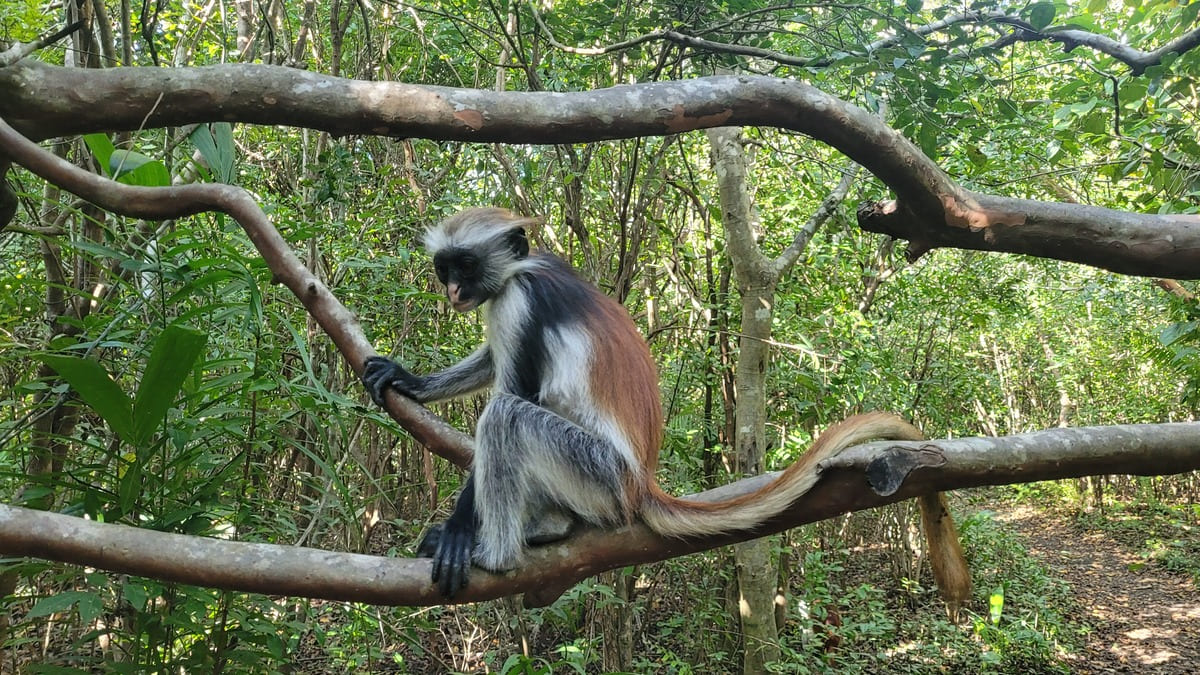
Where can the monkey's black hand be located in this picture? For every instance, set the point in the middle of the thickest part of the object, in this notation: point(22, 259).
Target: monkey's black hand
point(380, 372)
point(451, 546)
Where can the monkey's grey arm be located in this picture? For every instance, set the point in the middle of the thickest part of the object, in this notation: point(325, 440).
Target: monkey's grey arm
point(467, 376)
point(471, 374)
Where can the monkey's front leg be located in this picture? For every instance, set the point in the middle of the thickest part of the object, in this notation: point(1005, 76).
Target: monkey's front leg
point(380, 372)
point(452, 544)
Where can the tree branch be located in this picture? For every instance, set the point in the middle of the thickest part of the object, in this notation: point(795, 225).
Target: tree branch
point(931, 209)
point(19, 50)
point(161, 203)
point(1137, 60)
point(860, 478)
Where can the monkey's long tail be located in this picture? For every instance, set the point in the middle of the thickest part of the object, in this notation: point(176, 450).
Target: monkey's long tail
point(671, 516)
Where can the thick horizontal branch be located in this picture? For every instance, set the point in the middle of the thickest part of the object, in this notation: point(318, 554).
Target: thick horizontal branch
point(852, 481)
point(1129, 243)
point(181, 200)
point(1137, 59)
point(931, 209)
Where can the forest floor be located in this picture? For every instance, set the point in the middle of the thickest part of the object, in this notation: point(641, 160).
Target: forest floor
point(1142, 618)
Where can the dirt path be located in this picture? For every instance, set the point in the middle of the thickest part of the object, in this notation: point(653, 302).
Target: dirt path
point(1143, 621)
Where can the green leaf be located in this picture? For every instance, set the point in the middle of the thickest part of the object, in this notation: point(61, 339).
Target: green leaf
point(98, 390)
point(913, 6)
point(151, 174)
point(101, 147)
point(1174, 332)
point(1041, 14)
point(130, 487)
point(996, 605)
point(136, 594)
point(927, 138)
point(90, 606)
point(215, 143)
point(59, 602)
point(121, 162)
point(174, 353)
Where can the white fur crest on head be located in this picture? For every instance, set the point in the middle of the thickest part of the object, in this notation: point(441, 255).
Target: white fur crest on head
point(472, 227)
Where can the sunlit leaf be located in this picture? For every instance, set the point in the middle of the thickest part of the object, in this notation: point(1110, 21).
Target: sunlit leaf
point(98, 390)
point(175, 352)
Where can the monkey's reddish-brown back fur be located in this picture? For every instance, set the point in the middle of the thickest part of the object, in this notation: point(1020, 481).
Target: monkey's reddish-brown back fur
point(624, 381)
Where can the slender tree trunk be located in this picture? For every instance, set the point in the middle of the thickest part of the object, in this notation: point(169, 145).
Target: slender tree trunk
point(755, 572)
point(616, 622)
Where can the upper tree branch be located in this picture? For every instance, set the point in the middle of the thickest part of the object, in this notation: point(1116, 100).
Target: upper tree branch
point(939, 465)
point(860, 478)
point(1137, 60)
point(931, 209)
point(20, 50)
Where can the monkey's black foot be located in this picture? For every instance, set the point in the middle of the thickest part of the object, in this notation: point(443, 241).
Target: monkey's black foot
point(451, 549)
point(429, 543)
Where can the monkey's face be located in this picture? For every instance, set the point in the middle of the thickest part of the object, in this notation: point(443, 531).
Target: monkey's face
point(459, 270)
point(475, 253)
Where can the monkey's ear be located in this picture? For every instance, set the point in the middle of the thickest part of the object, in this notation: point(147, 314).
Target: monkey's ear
point(518, 242)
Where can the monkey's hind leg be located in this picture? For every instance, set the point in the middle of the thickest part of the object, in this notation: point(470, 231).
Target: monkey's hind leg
point(528, 456)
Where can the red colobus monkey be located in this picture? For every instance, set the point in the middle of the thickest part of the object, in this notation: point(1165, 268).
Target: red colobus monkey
point(574, 424)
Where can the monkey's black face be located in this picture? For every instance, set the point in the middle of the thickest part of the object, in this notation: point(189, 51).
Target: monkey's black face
point(461, 272)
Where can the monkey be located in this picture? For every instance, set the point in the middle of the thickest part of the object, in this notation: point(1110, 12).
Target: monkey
point(573, 426)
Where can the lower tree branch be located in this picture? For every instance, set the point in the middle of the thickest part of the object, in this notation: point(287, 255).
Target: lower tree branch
point(860, 478)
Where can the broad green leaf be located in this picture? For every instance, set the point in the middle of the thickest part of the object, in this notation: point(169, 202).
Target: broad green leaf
point(1175, 331)
point(150, 174)
point(121, 162)
point(98, 390)
point(215, 143)
point(927, 138)
point(1041, 14)
point(59, 602)
point(136, 594)
point(101, 147)
point(90, 606)
point(175, 352)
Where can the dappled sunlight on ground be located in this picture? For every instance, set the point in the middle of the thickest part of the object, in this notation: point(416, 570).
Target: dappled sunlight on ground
point(1144, 619)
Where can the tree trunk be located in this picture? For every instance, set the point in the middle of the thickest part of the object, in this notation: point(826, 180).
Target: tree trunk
point(616, 622)
point(755, 573)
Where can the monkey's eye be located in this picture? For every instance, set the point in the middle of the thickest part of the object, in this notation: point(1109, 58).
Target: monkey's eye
point(440, 270)
point(467, 267)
